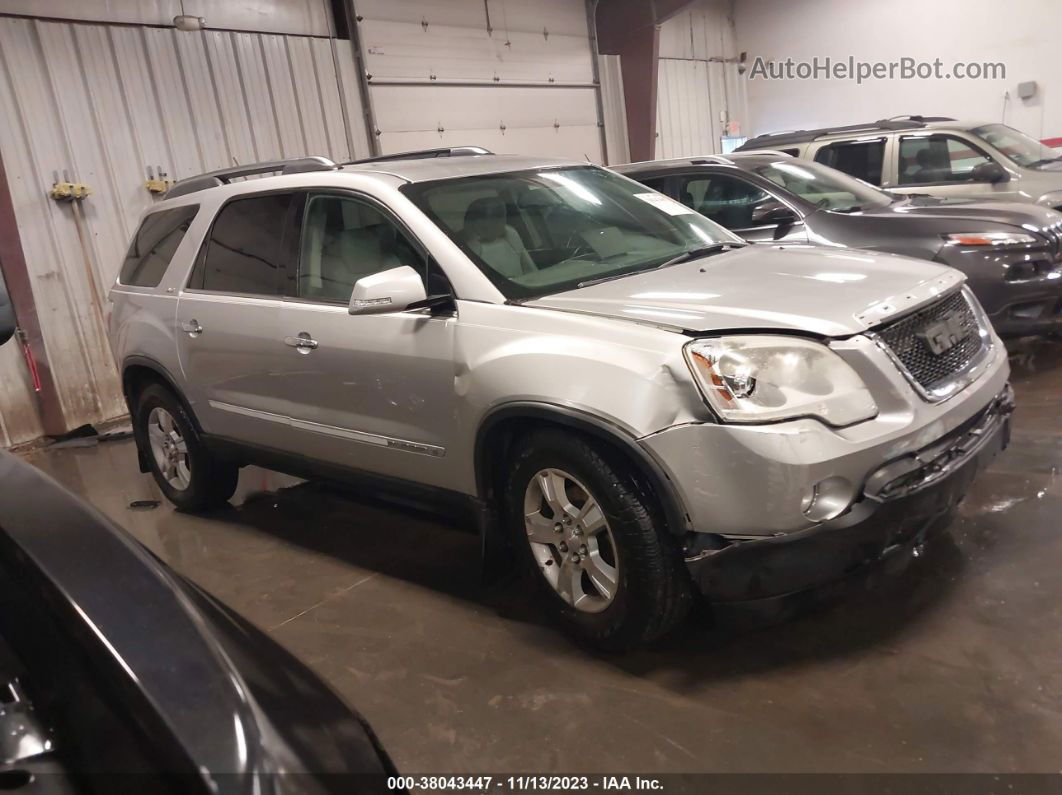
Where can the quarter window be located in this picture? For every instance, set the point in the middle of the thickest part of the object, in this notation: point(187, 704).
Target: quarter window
point(926, 159)
point(862, 159)
point(345, 239)
point(245, 252)
point(154, 244)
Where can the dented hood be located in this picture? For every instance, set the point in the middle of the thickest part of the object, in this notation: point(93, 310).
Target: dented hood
point(828, 292)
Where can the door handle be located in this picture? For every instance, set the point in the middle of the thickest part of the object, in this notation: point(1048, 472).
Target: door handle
point(302, 343)
point(192, 327)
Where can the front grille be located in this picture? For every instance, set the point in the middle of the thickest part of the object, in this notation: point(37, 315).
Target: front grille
point(906, 338)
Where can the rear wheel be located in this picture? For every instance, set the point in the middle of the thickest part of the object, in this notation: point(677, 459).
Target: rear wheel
point(602, 564)
point(186, 472)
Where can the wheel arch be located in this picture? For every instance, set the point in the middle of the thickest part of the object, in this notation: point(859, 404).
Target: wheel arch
point(502, 426)
point(138, 370)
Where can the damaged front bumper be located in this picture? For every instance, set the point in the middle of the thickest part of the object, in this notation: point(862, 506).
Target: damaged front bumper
point(902, 503)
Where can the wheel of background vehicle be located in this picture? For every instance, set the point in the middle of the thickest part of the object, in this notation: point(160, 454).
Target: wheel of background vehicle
point(603, 565)
point(189, 476)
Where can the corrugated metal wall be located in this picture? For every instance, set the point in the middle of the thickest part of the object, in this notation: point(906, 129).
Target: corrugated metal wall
point(514, 77)
point(698, 93)
point(102, 103)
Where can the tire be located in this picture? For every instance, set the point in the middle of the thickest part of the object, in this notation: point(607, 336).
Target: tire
point(651, 593)
point(193, 479)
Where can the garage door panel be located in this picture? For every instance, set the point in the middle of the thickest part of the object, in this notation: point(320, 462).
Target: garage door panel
point(401, 108)
point(404, 51)
point(568, 142)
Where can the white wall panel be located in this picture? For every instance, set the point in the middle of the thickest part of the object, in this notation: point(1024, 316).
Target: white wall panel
point(699, 88)
point(103, 103)
point(515, 77)
point(298, 17)
point(1022, 34)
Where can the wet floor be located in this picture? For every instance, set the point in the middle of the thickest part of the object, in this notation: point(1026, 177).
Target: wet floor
point(954, 664)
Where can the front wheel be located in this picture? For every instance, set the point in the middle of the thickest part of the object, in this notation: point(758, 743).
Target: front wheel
point(186, 472)
point(602, 563)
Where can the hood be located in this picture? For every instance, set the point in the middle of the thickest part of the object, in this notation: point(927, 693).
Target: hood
point(1028, 216)
point(822, 291)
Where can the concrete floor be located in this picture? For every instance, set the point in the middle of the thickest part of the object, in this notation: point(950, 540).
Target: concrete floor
point(952, 665)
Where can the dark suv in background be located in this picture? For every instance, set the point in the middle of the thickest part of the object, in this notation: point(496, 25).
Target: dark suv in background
point(1011, 253)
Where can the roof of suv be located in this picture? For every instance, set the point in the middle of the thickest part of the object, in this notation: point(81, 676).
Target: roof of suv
point(898, 124)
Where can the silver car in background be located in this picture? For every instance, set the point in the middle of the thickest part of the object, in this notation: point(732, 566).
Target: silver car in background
point(934, 155)
point(620, 391)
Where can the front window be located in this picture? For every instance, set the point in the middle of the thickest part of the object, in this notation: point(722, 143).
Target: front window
point(539, 232)
point(824, 187)
point(934, 159)
point(1018, 146)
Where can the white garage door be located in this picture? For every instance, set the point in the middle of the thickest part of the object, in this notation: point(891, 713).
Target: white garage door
point(514, 77)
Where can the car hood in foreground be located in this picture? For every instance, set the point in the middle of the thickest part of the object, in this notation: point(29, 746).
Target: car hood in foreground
point(828, 292)
point(217, 702)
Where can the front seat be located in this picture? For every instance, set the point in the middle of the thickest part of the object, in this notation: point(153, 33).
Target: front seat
point(495, 242)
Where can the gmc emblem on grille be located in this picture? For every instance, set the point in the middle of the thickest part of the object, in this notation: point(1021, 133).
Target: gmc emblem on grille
point(944, 334)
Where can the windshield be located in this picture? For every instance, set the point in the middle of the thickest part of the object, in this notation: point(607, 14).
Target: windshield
point(823, 186)
point(539, 232)
point(1018, 146)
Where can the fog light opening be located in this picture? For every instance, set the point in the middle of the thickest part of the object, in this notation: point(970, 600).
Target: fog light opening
point(828, 499)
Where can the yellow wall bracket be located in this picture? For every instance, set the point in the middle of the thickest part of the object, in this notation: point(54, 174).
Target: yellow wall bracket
point(159, 185)
point(69, 191)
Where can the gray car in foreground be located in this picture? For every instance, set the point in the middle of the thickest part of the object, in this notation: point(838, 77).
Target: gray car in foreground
point(1011, 253)
point(635, 400)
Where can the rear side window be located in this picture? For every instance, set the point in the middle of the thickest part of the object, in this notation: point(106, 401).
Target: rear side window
point(861, 159)
point(245, 251)
point(154, 244)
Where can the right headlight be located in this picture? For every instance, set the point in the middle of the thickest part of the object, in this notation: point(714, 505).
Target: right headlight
point(765, 378)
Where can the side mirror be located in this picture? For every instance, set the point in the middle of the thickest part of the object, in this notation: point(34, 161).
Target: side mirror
point(388, 291)
point(7, 314)
point(773, 213)
point(989, 172)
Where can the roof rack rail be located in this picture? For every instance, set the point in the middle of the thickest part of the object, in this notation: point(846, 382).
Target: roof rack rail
point(706, 160)
point(918, 118)
point(424, 154)
point(774, 152)
point(777, 139)
point(223, 176)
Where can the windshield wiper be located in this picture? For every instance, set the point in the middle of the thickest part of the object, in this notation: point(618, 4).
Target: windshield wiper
point(1044, 162)
point(685, 256)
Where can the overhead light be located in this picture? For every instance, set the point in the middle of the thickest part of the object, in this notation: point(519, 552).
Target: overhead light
point(188, 22)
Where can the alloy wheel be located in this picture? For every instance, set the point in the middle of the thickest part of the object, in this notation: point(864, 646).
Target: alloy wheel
point(571, 540)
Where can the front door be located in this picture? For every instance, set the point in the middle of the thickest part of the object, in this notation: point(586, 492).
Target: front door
point(227, 320)
point(367, 392)
point(943, 165)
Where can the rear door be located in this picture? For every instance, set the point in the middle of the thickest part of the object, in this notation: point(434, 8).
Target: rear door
point(228, 317)
point(374, 393)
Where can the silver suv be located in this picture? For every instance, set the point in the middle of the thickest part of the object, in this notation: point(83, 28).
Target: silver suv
point(934, 155)
point(624, 395)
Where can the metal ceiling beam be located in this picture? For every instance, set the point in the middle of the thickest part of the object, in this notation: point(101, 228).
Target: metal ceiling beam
point(631, 30)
